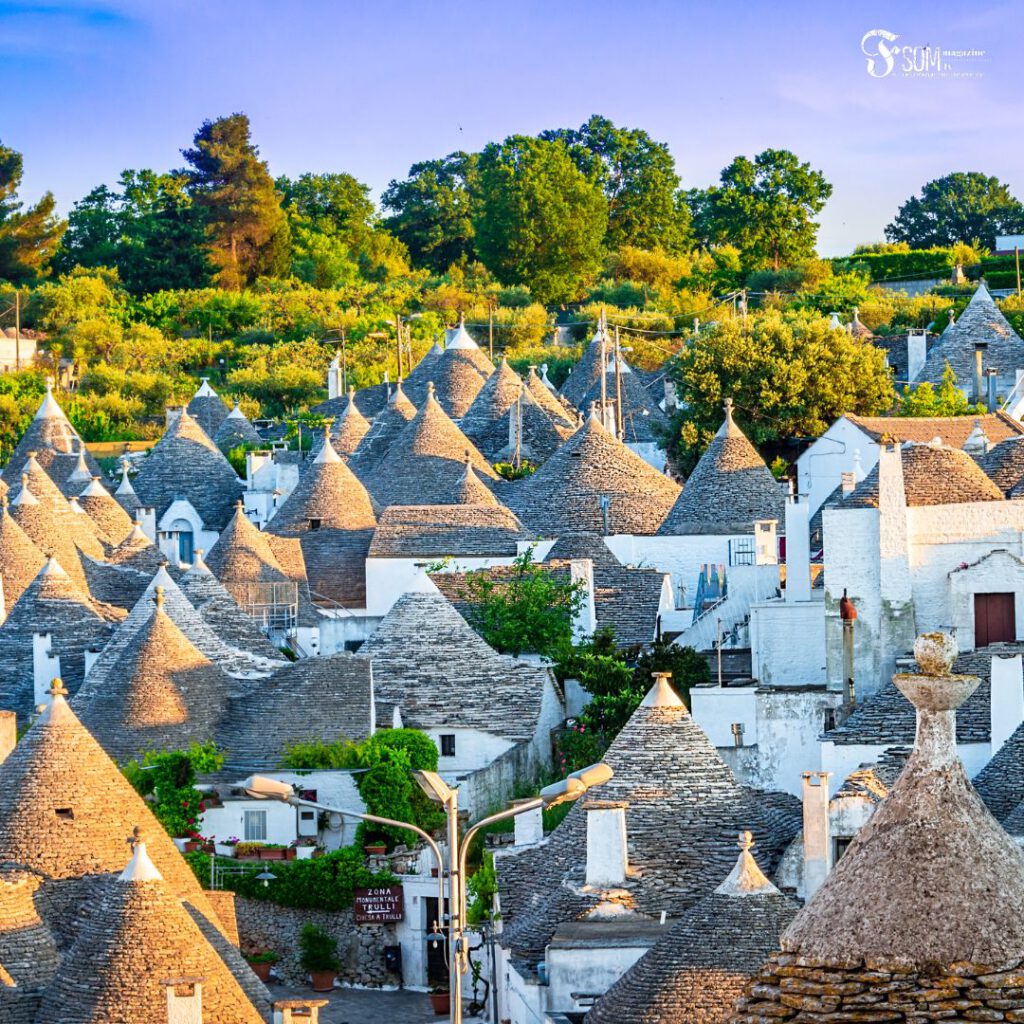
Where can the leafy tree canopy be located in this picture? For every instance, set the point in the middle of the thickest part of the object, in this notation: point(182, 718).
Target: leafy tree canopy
point(962, 207)
point(946, 400)
point(28, 235)
point(432, 211)
point(765, 207)
point(541, 220)
point(638, 176)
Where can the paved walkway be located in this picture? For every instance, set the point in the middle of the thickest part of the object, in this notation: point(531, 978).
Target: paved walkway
point(367, 1006)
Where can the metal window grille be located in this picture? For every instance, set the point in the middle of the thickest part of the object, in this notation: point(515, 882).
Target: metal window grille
point(274, 605)
point(448, 745)
point(742, 551)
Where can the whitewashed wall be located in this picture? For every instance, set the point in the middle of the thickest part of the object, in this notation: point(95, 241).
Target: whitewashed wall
point(820, 469)
point(787, 642)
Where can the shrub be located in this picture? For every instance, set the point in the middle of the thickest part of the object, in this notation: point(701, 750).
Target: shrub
point(319, 950)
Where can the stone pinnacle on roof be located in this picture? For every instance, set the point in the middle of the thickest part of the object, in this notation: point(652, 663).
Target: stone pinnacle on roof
point(932, 878)
point(471, 489)
point(746, 879)
point(243, 555)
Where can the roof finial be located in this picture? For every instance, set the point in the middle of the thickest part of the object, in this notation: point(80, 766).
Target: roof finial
point(728, 410)
point(430, 389)
point(57, 687)
point(135, 838)
point(351, 393)
point(745, 841)
point(158, 598)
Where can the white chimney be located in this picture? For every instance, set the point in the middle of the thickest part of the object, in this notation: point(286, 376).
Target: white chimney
point(147, 519)
point(8, 733)
point(766, 546)
point(917, 352)
point(171, 415)
point(607, 859)
point(584, 623)
point(45, 667)
point(529, 826)
point(798, 550)
point(1007, 699)
point(184, 1000)
point(334, 381)
point(817, 838)
point(894, 546)
point(254, 462)
point(90, 658)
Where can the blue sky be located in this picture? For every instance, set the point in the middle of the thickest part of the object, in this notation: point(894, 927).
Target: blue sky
point(95, 86)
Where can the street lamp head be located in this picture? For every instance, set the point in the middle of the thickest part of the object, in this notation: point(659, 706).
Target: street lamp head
point(434, 786)
point(266, 877)
point(260, 787)
point(575, 785)
point(593, 775)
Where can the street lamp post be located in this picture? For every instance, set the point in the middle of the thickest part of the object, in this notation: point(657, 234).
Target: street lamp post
point(570, 788)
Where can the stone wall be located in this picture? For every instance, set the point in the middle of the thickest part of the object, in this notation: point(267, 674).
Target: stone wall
point(789, 988)
point(360, 947)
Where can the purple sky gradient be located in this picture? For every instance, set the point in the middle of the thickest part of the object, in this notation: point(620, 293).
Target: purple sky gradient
point(95, 86)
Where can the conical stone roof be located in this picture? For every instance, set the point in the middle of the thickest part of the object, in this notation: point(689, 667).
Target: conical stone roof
point(423, 373)
point(186, 463)
point(980, 323)
point(684, 811)
point(384, 430)
point(243, 556)
point(539, 434)
point(20, 559)
point(486, 421)
point(472, 490)
point(696, 972)
point(28, 952)
point(130, 946)
point(125, 493)
point(1004, 466)
point(49, 435)
point(234, 430)
point(207, 408)
point(564, 495)
point(548, 401)
point(162, 693)
point(98, 503)
point(53, 603)
point(425, 463)
point(138, 552)
point(643, 422)
point(349, 428)
point(588, 369)
point(729, 489)
point(460, 373)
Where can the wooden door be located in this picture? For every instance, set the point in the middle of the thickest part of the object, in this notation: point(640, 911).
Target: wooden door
point(994, 619)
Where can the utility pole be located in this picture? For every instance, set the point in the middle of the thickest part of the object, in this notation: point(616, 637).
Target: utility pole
point(17, 322)
point(490, 323)
point(1016, 257)
point(618, 387)
point(344, 365)
point(604, 374)
point(398, 343)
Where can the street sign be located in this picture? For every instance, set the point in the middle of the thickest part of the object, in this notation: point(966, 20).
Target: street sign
point(380, 905)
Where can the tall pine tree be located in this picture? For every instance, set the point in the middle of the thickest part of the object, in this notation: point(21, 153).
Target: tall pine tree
point(246, 229)
point(28, 237)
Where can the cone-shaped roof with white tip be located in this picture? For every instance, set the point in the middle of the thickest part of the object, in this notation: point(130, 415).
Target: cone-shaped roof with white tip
point(207, 408)
point(460, 373)
point(99, 504)
point(20, 559)
point(425, 463)
point(235, 430)
point(136, 940)
point(384, 430)
point(695, 972)
point(348, 429)
point(472, 490)
point(485, 422)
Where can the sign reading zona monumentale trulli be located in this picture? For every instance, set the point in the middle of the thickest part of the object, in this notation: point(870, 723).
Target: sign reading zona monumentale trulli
point(379, 905)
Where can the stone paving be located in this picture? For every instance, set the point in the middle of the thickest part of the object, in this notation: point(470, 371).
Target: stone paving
point(367, 1006)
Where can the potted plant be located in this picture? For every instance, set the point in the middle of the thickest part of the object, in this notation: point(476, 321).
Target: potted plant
point(375, 845)
point(271, 851)
point(261, 962)
point(440, 1000)
point(319, 956)
point(228, 848)
point(304, 847)
point(248, 851)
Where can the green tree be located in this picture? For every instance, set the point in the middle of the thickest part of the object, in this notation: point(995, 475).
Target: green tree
point(93, 234)
point(638, 176)
point(246, 229)
point(28, 236)
point(789, 374)
point(765, 207)
point(960, 207)
point(527, 610)
point(541, 221)
point(432, 211)
point(946, 400)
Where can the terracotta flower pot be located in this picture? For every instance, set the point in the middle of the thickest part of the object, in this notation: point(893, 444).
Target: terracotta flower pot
point(323, 981)
point(375, 848)
point(441, 1002)
point(191, 846)
point(266, 854)
point(261, 970)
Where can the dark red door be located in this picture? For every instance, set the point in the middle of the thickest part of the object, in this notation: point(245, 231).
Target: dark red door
point(994, 619)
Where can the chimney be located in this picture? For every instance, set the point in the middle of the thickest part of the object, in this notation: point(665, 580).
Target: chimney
point(917, 353)
point(798, 550)
point(894, 545)
point(8, 733)
point(817, 838)
point(766, 546)
point(45, 667)
point(529, 826)
point(990, 379)
point(184, 1000)
point(334, 382)
point(848, 614)
point(298, 1011)
point(91, 654)
point(584, 624)
point(254, 462)
point(606, 843)
point(171, 415)
point(1007, 699)
point(979, 356)
point(848, 481)
point(147, 518)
